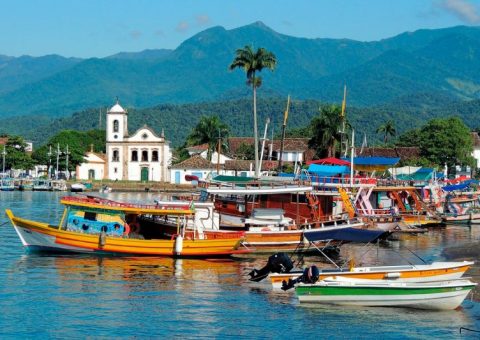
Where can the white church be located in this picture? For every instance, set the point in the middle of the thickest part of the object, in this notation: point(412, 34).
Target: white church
point(142, 156)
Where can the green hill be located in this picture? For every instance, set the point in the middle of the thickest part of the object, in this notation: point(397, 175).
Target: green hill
point(424, 61)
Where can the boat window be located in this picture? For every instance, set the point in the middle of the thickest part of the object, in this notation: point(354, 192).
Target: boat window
point(90, 216)
point(144, 156)
point(301, 198)
point(115, 156)
point(115, 125)
point(154, 156)
point(134, 156)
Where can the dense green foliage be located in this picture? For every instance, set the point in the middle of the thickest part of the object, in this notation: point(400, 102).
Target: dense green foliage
point(78, 143)
point(15, 155)
point(445, 141)
point(327, 131)
point(210, 130)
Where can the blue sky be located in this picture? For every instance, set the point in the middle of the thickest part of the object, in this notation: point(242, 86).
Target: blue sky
point(98, 28)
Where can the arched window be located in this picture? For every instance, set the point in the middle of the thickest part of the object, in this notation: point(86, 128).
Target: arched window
point(134, 156)
point(154, 156)
point(115, 125)
point(115, 156)
point(144, 156)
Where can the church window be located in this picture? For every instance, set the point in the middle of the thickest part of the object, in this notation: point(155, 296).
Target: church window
point(115, 156)
point(144, 156)
point(154, 156)
point(134, 156)
point(144, 136)
point(115, 125)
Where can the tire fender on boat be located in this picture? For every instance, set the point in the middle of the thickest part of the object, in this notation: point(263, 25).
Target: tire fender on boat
point(178, 245)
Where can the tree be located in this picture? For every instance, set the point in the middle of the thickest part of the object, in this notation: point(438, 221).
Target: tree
point(326, 130)
point(78, 143)
point(208, 130)
point(447, 141)
point(252, 62)
point(16, 156)
point(388, 129)
point(245, 151)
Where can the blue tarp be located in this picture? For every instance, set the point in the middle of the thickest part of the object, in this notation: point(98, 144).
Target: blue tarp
point(328, 170)
point(460, 186)
point(345, 234)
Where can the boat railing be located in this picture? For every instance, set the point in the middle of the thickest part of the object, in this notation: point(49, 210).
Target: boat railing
point(110, 203)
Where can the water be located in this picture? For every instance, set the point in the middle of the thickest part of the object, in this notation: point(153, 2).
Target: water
point(144, 297)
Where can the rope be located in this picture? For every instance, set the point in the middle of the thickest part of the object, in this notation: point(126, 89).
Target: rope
point(4, 223)
point(468, 329)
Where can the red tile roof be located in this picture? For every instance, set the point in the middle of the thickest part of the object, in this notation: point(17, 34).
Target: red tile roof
point(194, 162)
point(404, 153)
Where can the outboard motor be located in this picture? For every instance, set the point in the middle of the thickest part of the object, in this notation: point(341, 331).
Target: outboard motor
point(277, 263)
point(310, 275)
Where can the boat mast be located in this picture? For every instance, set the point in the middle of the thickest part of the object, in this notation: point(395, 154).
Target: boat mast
point(343, 139)
point(263, 144)
point(3, 154)
point(284, 126)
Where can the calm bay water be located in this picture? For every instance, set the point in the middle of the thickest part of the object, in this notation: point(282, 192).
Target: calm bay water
point(89, 296)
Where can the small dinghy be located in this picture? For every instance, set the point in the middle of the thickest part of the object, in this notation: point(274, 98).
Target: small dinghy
point(438, 295)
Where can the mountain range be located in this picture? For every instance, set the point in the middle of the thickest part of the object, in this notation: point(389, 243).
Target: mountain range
point(421, 70)
point(441, 61)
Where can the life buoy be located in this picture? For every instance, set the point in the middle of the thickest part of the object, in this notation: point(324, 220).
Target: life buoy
point(126, 229)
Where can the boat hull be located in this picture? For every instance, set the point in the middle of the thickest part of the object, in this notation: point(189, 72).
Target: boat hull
point(434, 296)
point(37, 236)
point(472, 218)
point(436, 271)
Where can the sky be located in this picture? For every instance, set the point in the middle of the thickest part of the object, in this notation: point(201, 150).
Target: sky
point(99, 28)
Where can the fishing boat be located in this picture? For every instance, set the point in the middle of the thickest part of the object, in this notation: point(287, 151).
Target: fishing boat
point(7, 184)
point(42, 185)
point(275, 214)
point(96, 225)
point(439, 295)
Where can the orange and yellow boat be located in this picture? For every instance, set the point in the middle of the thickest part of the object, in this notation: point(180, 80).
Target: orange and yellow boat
point(435, 271)
point(96, 225)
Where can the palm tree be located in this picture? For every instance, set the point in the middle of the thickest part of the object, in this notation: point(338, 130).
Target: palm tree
point(326, 129)
point(388, 129)
point(252, 62)
point(208, 130)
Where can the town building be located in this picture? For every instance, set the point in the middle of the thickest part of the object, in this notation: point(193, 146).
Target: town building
point(141, 156)
point(94, 166)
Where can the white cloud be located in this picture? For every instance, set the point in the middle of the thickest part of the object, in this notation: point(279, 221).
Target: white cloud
point(202, 19)
point(135, 34)
point(462, 9)
point(182, 27)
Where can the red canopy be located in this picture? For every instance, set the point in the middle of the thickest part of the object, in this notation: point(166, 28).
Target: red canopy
point(329, 161)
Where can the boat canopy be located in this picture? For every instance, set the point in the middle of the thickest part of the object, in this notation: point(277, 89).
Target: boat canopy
point(329, 161)
point(461, 186)
point(346, 234)
point(374, 163)
point(328, 170)
point(233, 179)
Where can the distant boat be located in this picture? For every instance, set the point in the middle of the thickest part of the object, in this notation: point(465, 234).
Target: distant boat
point(7, 184)
point(80, 187)
point(42, 185)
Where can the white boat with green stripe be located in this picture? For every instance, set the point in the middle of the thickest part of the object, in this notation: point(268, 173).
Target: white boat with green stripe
point(438, 295)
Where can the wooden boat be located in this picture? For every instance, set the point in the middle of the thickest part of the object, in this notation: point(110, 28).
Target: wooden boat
point(42, 185)
point(275, 215)
point(435, 271)
point(439, 295)
point(7, 184)
point(95, 225)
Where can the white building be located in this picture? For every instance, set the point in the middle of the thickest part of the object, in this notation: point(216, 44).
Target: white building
point(142, 156)
point(94, 167)
point(194, 166)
